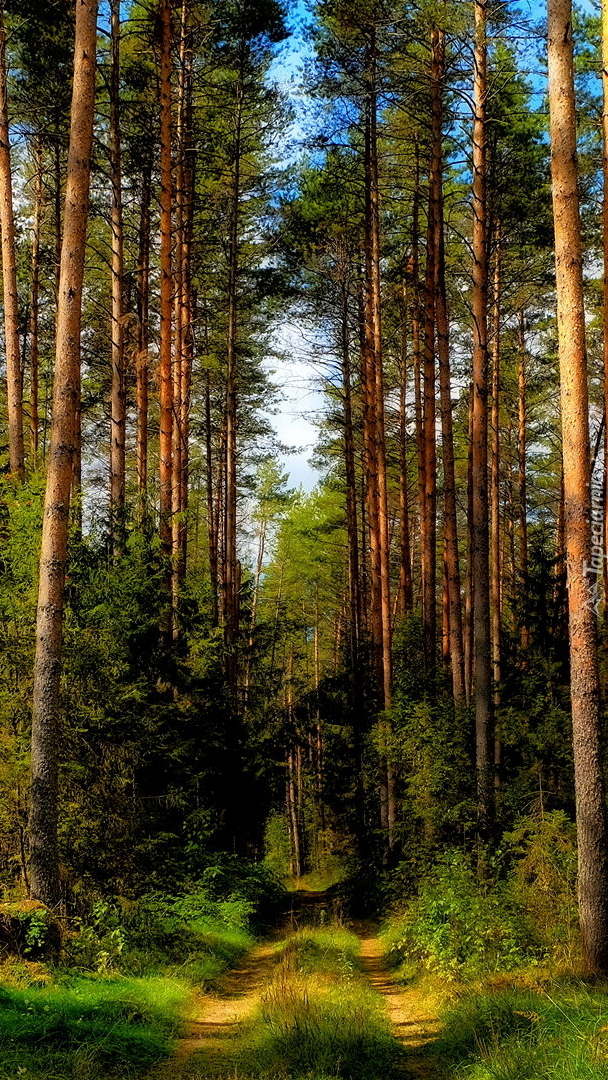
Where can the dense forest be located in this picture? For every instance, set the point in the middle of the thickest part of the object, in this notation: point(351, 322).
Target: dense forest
point(225, 697)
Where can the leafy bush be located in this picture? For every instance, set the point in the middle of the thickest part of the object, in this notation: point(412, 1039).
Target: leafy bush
point(157, 930)
point(459, 924)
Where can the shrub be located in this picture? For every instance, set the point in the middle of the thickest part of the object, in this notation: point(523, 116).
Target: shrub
point(460, 925)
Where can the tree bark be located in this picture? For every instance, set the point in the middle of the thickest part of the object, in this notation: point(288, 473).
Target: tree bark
point(35, 305)
point(44, 859)
point(428, 530)
point(143, 339)
point(521, 475)
point(450, 528)
point(484, 736)
point(118, 412)
point(405, 601)
point(230, 593)
point(495, 568)
point(166, 282)
point(584, 681)
point(14, 380)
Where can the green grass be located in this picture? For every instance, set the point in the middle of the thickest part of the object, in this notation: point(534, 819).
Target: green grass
point(118, 1009)
point(89, 1027)
point(319, 1018)
point(332, 950)
point(557, 1034)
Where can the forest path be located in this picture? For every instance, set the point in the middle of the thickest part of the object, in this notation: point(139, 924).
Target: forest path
point(216, 1027)
point(413, 1017)
point(208, 1049)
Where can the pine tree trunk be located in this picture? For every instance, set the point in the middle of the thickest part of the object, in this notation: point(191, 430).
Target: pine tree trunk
point(230, 592)
point(143, 333)
point(584, 681)
point(405, 599)
point(495, 567)
point(375, 379)
point(35, 305)
point(14, 379)
point(484, 735)
point(118, 387)
point(44, 859)
point(429, 518)
point(521, 475)
point(166, 283)
point(450, 528)
point(605, 283)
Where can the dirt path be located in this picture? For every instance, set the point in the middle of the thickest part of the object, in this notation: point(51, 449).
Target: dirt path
point(215, 1029)
point(415, 1023)
point(208, 1048)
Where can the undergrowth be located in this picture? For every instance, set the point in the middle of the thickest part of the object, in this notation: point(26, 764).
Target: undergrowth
point(127, 980)
point(560, 1033)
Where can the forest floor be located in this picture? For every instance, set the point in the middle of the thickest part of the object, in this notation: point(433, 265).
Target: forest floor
point(209, 1048)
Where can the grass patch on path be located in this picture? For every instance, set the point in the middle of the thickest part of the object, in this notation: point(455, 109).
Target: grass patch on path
point(319, 1018)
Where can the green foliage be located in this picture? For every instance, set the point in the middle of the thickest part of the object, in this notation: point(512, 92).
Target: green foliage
point(277, 846)
point(461, 925)
point(544, 878)
point(513, 1034)
point(200, 935)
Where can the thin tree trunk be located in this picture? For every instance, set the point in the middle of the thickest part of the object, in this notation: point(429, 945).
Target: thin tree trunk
point(450, 528)
point(35, 304)
point(495, 567)
point(469, 667)
point(521, 475)
point(484, 736)
point(405, 599)
point(429, 518)
point(584, 680)
point(44, 857)
point(118, 412)
point(166, 282)
point(231, 597)
point(14, 381)
point(142, 363)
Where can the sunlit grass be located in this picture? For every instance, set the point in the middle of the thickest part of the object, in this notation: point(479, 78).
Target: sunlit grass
point(559, 1033)
point(89, 1026)
point(319, 1017)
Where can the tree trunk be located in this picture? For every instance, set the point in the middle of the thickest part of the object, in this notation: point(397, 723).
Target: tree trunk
point(166, 283)
point(405, 600)
point(14, 379)
point(450, 529)
point(521, 476)
point(143, 336)
point(118, 388)
point(428, 530)
point(35, 305)
point(231, 597)
point(584, 682)
point(484, 736)
point(44, 860)
point(495, 568)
